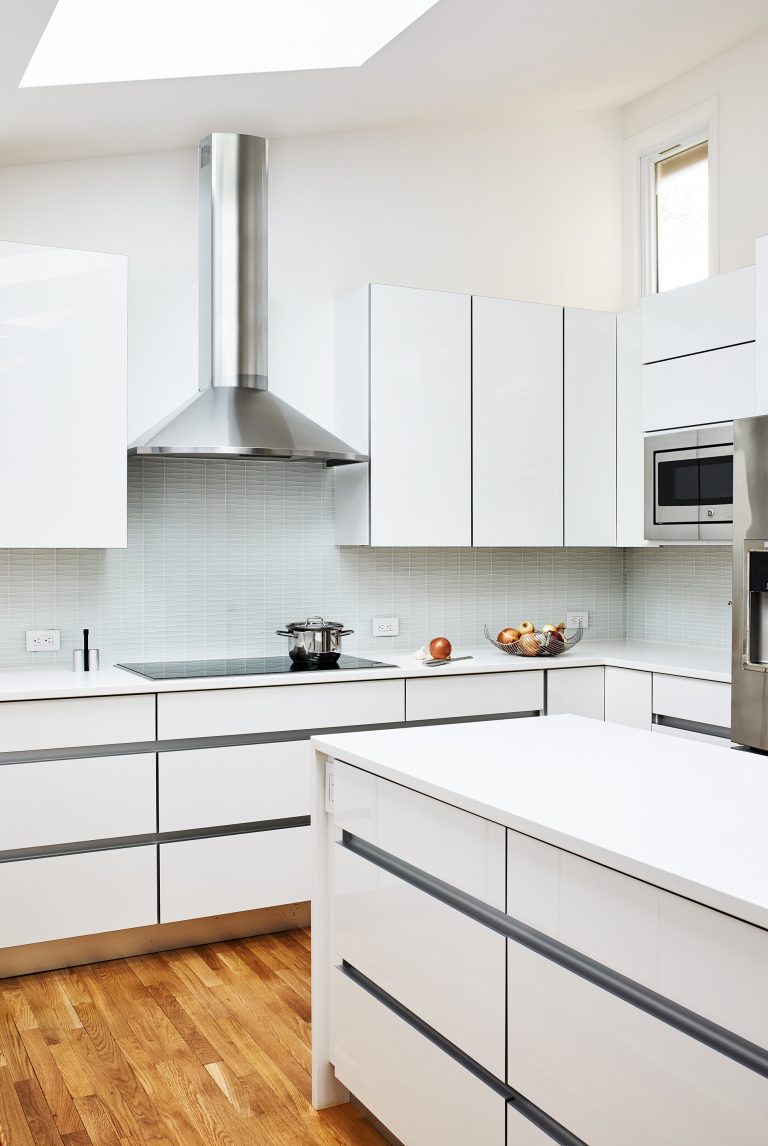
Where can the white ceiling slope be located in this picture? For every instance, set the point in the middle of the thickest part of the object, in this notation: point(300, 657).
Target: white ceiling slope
point(461, 59)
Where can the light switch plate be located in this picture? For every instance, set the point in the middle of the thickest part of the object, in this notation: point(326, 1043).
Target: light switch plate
point(573, 620)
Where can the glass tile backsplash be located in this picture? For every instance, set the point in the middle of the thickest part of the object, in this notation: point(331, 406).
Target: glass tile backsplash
point(222, 553)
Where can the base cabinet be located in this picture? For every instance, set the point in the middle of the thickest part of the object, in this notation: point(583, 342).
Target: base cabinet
point(612, 1073)
point(421, 1094)
point(222, 874)
point(628, 697)
point(56, 897)
point(578, 692)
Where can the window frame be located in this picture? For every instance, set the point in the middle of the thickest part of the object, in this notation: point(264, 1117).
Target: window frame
point(641, 152)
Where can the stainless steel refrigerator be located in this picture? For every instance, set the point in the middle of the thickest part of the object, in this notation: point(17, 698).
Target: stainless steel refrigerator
point(749, 703)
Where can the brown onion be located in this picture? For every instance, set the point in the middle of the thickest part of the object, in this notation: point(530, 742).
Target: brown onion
point(507, 636)
point(440, 648)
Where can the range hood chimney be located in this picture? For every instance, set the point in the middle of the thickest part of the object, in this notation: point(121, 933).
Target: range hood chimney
point(234, 414)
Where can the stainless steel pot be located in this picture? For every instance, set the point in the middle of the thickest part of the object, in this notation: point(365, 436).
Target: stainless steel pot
point(315, 641)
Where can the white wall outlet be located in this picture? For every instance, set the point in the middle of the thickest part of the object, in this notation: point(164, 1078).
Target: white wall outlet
point(573, 620)
point(386, 626)
point(43, 640)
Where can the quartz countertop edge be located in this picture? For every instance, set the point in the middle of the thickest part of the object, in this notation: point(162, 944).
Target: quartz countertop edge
point(663, 811)
point(677, 660)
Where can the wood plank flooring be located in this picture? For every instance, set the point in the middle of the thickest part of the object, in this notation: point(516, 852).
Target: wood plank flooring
point(207, 1046)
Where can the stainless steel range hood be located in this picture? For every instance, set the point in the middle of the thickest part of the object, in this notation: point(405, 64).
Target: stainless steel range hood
point(234, 414)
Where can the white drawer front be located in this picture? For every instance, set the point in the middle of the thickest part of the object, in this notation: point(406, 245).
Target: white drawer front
point(272, 708)
point(457, 847)
point(38, 725)
point(61, 896)
point(421, 1094)
point(580, 692)
point(702, 737)
point(64, 801)
point(398, 937)
point(223, 874)
point(613, 1074)
point(214, 786)
point(479, 694)
point(705, 701)
point(667, 943)
point(628, 697)
point(713, 387)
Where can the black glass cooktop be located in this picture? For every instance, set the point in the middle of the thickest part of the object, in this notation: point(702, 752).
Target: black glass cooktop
point(242, 666)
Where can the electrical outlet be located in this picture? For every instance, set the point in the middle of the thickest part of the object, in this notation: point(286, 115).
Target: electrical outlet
point(386, 626)
point(43, 640)
point(573, 620)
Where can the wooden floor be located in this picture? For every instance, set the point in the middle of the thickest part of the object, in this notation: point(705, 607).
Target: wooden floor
point(208, 1046)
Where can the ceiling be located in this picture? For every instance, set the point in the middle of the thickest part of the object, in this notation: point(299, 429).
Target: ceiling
point(461, 59)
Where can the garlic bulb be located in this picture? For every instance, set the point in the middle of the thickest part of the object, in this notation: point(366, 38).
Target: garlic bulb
point(421, 654)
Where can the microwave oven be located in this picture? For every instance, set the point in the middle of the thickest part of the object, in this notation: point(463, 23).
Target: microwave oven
point(689, 484)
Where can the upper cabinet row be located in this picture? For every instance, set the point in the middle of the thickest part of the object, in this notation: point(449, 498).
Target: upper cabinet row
point(63, 391)
point(489, 422)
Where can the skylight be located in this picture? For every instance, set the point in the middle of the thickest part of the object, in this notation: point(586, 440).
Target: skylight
point(103, 41)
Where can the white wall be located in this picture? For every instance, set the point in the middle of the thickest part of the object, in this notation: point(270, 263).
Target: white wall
point(526, 208)
point(738, 79)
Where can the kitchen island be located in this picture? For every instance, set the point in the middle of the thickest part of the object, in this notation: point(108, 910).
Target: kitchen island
point(539, 931)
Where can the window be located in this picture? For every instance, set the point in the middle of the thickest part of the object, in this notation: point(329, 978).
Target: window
point(670, 203)
point(680, 222)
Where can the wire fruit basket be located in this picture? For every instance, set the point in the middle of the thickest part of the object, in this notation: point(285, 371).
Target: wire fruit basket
point(539, 644)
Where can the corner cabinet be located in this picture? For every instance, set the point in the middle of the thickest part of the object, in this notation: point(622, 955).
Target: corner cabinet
point(63, 436)
point(477, 414)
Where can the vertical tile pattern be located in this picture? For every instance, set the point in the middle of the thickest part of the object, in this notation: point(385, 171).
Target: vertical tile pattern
point(679, 594)
point(222, 553)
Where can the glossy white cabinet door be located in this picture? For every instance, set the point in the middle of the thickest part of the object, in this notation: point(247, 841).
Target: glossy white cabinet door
point(60, 896)
point(422, 1095)
point(399, 937)
point(613, 1074)
point(205, 787)
point(716, 312)
point(579, 691)
point(686, 734)
point(456, 846)
point(590, 427)
point(713, 387)
point(66, 801)
point(630, 469)
point(63, 429)
point(223, 874)
point(517, 387)
point(688, 698)
point(421, 410)
point(628, 697)
point(272, 708)
point(476, 694)
point(39, 725)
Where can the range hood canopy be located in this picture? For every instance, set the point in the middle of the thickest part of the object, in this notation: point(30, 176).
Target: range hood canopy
point(234, 414)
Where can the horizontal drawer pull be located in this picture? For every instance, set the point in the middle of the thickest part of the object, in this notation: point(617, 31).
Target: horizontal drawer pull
point(717, 1038)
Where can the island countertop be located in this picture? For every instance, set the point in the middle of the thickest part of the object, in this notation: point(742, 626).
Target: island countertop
point(681, 815)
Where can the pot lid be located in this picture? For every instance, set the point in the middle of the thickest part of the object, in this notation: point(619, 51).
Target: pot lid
point(314, 624)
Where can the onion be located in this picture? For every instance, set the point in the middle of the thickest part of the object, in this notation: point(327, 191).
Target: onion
point(529, 645)
point(507, 636)
point(440, 648)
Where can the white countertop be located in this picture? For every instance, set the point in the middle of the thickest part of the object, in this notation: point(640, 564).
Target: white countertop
point(678, 814)
point(679, 660)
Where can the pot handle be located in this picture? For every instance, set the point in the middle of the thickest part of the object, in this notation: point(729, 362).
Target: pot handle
point(346, 632)
point(283, 633)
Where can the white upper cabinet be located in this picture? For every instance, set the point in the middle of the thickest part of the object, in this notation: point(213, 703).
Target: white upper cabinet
point(761, 325)
point(590, 427)
point(700, 388)
point(404, 369)
point(517, 383)
point(63, 436)
point(630, 461)
point(707, 315)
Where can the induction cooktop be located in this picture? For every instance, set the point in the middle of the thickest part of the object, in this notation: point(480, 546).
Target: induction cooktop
point(242, 666)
